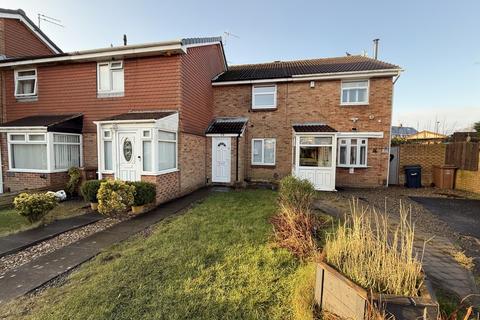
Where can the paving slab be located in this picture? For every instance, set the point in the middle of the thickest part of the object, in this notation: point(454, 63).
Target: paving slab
point(34, 274)
point(21, 240)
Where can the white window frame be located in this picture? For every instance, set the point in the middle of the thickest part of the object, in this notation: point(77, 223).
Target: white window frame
point(20, 78)
point(154, 150)
point(102, 155)
point(273, 106)
point(110, 92)
point(348, 145)
point(262, 163)
point(79, 143)
point(367, 95)
point(49, 142)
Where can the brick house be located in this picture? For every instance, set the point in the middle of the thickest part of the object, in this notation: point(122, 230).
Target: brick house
point(175, 114)
point(326, 120)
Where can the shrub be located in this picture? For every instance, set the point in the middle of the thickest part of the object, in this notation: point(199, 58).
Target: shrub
point(89, 190)
point(145, 192)
point(73, 181)
point(296, 194)
point(114, 196)
point(294, 225)
point(367, 251)
point(34, 206)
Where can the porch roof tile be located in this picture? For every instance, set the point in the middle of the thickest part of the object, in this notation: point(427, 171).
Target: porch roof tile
point(313, 127)
point(227, 126)
point(56, 123)
point(147, 115)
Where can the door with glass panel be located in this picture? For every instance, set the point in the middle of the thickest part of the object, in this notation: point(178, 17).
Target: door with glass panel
point(315, 160)
point(127, 157)
point(221, 159)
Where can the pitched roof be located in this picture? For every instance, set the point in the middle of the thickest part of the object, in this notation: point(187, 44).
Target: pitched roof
point(288, 69)
point(54, 123)
point(227, 126)
point(313, 127)
point(403, 131)
point(425, 135)
point(147, 115)
point(21, 14)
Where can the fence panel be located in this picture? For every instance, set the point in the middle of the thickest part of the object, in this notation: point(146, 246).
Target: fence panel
point(463, 155)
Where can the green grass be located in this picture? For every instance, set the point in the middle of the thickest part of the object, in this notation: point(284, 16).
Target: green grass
point(11, 221)
point(214, 262)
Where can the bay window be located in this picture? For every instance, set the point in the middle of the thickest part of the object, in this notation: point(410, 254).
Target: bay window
point(354, 92)
point(352, 152)
point(43, 152)
point(167, 150)
point(263, 152)
point(25, 83)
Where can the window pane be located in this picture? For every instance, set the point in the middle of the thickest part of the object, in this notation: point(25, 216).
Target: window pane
point(362, 95)
point(147, 156)
point(29, 156)
point(103, 77)
point(269, 151)
point(117, 80)
point(17, 137)
point(344, 95)
point(316, 156)
point(257, 151)
point(107, 155)
point(166, 155)
point(264, 100)
point(26, 73)
point(352, 96)
point(66, 156)
point(355, 84)
point(26, 86)
point(36, 137)
point(65, 138)
point(316, 140)
point(164, 135)
point(343, 155)
point(363, 155)
point(353, 154)
point(267, 89)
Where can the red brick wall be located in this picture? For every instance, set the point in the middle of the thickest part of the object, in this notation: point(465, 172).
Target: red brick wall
point(168, 186)
point(426, 155)
point(298, 103)
point(199, 66)
point(20, 41)
point(191, 161)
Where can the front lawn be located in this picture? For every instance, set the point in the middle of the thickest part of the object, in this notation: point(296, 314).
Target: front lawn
point(214, 262)
point(11, 221)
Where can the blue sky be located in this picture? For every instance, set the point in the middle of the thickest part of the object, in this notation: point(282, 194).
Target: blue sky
point(436, 42)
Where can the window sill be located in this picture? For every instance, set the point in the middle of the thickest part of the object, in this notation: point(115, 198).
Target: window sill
point(26, 99)
point(259, 165)
point(354, 167)
point(365, 104)
point(36, 171)
point(158, 173)
point(103, 95)
point(269, 109)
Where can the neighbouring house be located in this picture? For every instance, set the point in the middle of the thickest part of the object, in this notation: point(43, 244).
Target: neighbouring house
point(174, 113)
point(326, 120)
point(402, 132)
point(426, 137)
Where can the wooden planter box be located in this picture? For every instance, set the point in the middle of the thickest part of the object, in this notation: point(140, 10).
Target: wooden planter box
point(341, 296)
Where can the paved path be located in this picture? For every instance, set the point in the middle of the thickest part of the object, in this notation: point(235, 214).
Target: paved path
point(30, 276)
point(438, 263)
point(18, 241)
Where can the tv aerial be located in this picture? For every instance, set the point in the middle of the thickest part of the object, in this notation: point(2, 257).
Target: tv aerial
point(42, 17)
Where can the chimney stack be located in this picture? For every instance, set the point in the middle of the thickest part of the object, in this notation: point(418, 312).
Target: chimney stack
point(375, 48)
point(124, 39)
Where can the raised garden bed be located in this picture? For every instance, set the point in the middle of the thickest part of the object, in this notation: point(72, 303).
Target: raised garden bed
point(339, 295)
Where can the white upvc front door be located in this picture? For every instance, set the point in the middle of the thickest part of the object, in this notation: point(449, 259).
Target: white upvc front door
point(315, 159)
point(128, 155)
point(221, 159)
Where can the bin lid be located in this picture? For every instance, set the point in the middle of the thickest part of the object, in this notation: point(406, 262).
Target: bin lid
point(448, 166)
point(412, 166)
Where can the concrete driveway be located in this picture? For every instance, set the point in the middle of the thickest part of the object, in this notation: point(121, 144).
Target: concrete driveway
point(462, 215)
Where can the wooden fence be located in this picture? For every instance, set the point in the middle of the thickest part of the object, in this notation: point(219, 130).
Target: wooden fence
point(463, 155)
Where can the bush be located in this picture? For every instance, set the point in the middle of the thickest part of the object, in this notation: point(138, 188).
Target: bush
point(114, 196)
point(297, 194)
point(145, 192)
point(73, 181)
point(34, 206)
point(89, 190)
point(375, 256)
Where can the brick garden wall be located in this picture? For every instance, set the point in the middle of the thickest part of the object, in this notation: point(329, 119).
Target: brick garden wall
point(468, 180)
point(168, 186)
point(426, 155)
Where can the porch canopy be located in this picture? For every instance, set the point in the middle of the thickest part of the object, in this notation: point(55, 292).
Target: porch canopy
point(312, 128)
point(67, 123)
point(227, 126)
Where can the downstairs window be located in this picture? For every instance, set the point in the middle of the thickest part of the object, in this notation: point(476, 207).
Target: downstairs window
point(352, 152)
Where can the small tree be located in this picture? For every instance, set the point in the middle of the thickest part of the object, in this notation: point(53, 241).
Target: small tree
point(115, 196)
point(74, 175)
point(476, 126)
point(34, 206)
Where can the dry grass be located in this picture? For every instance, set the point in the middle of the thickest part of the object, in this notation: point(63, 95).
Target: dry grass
point(368, 252)
point(462, 259)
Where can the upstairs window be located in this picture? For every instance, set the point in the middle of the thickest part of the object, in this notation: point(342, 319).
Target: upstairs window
point(354, 92)
point(25, 83)
point(264, 97)
point(110, 80)
point(352, 152)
